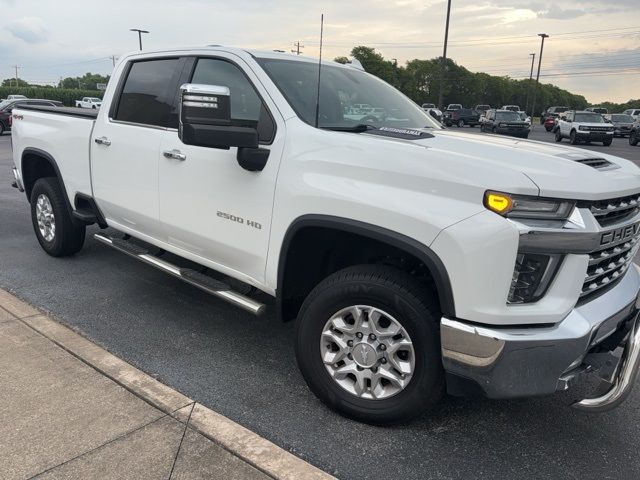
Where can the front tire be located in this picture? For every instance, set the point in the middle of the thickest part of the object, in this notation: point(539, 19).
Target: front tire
point(633, 139)
point(1, 128)
point(460, 123)
point(573, 138)
point(607, 142)
point(342, 327)
point(58, 233)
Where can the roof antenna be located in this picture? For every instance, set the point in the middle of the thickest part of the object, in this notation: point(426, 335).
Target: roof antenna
point(319, 71)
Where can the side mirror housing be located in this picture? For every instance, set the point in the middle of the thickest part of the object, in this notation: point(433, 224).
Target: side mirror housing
point(205, 119)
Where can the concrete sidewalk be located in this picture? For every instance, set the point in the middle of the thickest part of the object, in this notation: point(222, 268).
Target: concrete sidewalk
point(69, 409)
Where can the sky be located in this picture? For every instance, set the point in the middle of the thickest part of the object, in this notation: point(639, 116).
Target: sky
point(593, 48)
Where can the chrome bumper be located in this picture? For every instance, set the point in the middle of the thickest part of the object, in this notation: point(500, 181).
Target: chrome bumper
point(509, 362)
point(17, 182)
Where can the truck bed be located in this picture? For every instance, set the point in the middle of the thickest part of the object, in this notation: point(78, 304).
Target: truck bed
point(89, 113)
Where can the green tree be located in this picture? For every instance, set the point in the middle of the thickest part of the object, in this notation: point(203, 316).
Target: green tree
point(342, 60)
point(88, 81)
point(11, 82)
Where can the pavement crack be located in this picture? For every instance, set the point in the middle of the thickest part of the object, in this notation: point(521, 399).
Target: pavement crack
point(119, 437)
point(184, 432)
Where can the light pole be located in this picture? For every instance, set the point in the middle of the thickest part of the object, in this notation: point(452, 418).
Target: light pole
point(444, 55)
point(535, 88)
point(140, 32)
point(533, 59)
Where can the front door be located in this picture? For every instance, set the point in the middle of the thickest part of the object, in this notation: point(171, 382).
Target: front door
point(211, 207)
point(125, 145)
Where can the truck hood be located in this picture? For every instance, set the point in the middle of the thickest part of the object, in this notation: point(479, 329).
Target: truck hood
point(557, 170)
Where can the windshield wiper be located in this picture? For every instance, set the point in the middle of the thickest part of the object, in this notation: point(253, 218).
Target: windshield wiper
point(361, 127)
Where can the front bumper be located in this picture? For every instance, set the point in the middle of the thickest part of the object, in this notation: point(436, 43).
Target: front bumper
point(594, 136)
point(508, 362)
point(516, 132)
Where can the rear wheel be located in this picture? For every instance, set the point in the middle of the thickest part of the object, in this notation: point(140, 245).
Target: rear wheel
point(1, 128)
point(558, 137)
point(607, 142)
point(368, 344)
point(633, 139)
point(58, 233)
point(460, 123)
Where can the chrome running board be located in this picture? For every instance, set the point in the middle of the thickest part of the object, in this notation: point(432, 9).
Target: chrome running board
point(192, 277)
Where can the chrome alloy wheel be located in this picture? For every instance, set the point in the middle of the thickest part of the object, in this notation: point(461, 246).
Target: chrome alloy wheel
point(367, 352)
point(46, 219)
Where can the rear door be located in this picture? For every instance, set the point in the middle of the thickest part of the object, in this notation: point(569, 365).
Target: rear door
point(126, 141)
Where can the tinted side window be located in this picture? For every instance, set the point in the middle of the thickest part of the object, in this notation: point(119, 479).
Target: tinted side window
point(247, 109)
point(150, 92)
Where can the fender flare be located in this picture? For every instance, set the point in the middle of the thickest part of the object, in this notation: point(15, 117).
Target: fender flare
point(46, 156)
point(419, 250)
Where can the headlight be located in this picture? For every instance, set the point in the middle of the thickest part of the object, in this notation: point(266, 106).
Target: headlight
point(502, 125)
point(582, 127)
point(519, 206)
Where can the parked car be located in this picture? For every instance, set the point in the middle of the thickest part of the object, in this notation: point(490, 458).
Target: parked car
point(432, 110)
point(506, 122)
point(482, 108)
point(634, 112)
point(552, 112)
point(89, 102)
point(585, 126)
point(462, 117)
point(15, 97)
point(621, 123)
point(550, 123)
point(454, 106)
point(600, 110)
point(513, 108)
point(414, 260)
point(525, 117)
point(634, 134)
point(7, 106)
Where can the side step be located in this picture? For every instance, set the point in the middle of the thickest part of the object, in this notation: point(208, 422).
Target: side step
point(192, 277)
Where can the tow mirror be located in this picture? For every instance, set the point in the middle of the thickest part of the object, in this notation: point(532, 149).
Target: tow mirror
point(205, 119)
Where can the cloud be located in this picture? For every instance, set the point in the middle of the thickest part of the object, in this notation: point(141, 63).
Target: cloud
point(560, 14)
point(28, 29)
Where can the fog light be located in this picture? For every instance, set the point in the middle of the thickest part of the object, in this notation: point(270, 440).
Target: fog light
point(532, 275)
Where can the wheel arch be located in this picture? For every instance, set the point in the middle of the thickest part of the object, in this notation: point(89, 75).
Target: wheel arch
point(36, 164)
point(344, 231)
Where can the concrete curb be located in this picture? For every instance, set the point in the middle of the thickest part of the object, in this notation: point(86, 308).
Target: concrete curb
point(245, 444)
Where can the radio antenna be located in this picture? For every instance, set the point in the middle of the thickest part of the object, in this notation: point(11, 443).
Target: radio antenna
point(319, 71)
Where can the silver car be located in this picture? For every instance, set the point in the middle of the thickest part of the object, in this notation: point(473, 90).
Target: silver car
point(621, 122)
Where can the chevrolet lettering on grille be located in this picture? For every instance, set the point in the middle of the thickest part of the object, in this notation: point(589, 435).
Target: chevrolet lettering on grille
point(620, 234)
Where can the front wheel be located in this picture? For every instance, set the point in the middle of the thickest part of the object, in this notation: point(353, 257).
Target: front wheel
point(1, 128)
point(460, 123)
point(573, 138)
point(633, 139)
point(368, 344)
point(58, 233)
point(607, 142)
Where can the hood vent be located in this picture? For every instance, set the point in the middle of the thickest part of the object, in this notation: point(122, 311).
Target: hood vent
point(598, 163)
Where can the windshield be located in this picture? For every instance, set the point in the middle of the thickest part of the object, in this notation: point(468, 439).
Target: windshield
point(589, 118)
point(348, 97)
point(560, 109)
point(622, 118)
point(508, 116)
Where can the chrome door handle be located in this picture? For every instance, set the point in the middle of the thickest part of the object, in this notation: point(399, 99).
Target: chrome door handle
point(103, 141)
point(175, 154)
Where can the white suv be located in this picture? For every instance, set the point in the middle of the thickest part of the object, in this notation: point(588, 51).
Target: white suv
point(584, 127)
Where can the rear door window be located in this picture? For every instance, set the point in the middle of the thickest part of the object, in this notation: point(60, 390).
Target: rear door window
point(150, 92)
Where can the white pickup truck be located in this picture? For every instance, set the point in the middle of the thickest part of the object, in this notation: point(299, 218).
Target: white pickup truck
point(89, 102)
point(416, 260)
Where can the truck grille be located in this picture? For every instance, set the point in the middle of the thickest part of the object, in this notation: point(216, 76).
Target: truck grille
point(609, 212)
point(609, 265)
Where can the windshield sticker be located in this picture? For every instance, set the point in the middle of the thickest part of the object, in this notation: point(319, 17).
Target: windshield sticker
point(404, 133)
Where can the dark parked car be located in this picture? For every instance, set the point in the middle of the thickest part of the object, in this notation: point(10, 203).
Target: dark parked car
point(505, 122)
point(462, 117)
point(7, 106)
point(621, 123)
point(551, 112)
point(634, 134)
point(482, 108)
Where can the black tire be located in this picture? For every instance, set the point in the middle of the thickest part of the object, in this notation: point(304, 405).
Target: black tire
point(69, 233)
point(633, 139)
point(493, 130)
point(1, 128)
point(402, 297)
point(461, 123)
point(607, 142)
point(482, 128)
point(573, 138)
point(558, 136)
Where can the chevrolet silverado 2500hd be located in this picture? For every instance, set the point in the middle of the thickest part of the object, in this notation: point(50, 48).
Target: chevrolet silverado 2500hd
point(416, 260)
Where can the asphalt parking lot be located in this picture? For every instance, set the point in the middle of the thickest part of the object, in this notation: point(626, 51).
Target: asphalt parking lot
point(244, 368)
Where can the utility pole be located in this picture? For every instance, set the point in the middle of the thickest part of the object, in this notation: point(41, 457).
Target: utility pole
point(444, 55)
point(533, 58)
point(16, 67)
point(140, 32)
point(535, 88)
point(297, 48)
